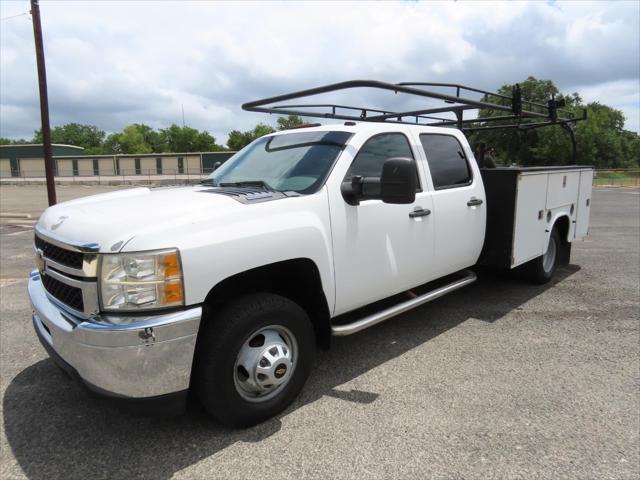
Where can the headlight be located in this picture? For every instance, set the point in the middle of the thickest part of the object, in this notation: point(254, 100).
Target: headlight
point(141, 280)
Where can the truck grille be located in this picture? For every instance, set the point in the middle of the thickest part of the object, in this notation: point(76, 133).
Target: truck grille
point(68, 273)
point(66, 294)
point(59, 255)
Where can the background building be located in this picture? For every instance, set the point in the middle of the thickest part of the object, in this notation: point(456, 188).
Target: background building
point(27, 161)
point(15, 159)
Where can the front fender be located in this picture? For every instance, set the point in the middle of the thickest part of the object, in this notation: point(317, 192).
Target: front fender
point(258, 235)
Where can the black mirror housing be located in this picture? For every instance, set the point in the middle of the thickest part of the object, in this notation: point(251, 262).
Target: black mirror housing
point(352, 190)
point(398, 181)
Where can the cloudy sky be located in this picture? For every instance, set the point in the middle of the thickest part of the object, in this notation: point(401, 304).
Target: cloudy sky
point(114, 63)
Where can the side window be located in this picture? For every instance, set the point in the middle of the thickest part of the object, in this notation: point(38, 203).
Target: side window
point(369, 160)
point(447, 161)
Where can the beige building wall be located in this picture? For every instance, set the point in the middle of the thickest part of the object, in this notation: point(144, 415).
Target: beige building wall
point(34, 167)
point(65, 168)
point(127, 166)
point(85, 167)
point(147, 165)
point(192, 162)
point(106, 166)
point(31, 167)
point(169, 165)
point(5, 167)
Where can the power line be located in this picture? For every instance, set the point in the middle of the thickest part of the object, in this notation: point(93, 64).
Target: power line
point(14, 16)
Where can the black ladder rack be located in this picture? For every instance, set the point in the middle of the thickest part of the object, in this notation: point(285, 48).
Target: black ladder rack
point(515, 107)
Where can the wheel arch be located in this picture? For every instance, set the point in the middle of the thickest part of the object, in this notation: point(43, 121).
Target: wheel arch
point(563, 224)
point(297, 279)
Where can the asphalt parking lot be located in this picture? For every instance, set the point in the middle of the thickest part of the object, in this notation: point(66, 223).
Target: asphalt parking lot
point(498, 380)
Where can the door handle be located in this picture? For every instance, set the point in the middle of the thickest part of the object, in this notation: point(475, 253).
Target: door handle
point(474, 202)
point(419, 212)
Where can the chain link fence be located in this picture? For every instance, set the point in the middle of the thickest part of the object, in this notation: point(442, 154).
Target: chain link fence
point(122, 177)
point(629, 177)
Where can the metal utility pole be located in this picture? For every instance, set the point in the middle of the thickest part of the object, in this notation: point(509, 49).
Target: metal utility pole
point(44, 103)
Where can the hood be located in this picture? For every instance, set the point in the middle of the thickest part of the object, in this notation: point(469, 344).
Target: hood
point(113, 219)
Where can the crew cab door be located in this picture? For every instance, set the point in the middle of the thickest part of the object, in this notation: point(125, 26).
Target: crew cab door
point(379, 249)
point(459, 202)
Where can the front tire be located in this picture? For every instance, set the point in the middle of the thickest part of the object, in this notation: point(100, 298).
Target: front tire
point(253, 358)
point(542, 269)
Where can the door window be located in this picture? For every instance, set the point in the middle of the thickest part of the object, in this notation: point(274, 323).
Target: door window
point(372, 155)
point(447, 161)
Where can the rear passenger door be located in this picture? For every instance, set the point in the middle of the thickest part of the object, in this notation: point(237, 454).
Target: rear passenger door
point(458, 202)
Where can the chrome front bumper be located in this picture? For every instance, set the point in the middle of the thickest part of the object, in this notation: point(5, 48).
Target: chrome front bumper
point(148, 358)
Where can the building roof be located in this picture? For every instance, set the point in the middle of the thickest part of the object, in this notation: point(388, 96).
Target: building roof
point(36, 150)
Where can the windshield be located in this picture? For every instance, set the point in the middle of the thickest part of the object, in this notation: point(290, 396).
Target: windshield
point(296, 162)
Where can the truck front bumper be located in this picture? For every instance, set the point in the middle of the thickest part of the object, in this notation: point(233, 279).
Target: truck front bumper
point(148, 358)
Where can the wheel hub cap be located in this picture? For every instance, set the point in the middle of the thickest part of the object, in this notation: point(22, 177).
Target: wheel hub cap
point(265, 363)
point(274, 363)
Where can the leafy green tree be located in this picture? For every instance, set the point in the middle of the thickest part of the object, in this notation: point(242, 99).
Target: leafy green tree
point(186, 139)
point(601, 139)
point(238, 140)
point(5, 141)
point(130, 140)
point(18, 141)
point(85, 136)
point(111, 144)
point(151, 137)
point(291, 121)
point(141, 138)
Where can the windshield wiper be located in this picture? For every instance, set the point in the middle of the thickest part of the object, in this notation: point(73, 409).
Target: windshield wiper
point(247, 183)
point(209, 181)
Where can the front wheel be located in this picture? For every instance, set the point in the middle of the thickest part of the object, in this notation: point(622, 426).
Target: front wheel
point(542, 269)
point(253, 358)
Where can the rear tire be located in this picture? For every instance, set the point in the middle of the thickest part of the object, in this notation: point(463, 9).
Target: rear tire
point(542, 269)
point(236, 378)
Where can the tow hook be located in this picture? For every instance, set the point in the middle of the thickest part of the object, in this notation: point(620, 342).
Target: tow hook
point(147, 335)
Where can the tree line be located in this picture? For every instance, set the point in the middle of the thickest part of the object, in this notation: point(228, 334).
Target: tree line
point(602, 140)
point(141, 138)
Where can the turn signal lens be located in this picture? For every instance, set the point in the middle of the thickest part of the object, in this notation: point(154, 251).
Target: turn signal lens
point(171, 265)
point(173, 293)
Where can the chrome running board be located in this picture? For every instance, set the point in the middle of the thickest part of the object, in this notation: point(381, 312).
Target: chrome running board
point(382, 315)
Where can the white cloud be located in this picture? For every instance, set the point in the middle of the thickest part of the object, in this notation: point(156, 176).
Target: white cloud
point(114, 63)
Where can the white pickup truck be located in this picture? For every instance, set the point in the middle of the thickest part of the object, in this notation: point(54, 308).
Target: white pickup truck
point(226, 288)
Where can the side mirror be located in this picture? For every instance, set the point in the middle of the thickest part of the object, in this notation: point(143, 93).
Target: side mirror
point(360, 188)
point(398, 181)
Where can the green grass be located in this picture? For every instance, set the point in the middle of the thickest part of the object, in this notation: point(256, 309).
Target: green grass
point(618, 178)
